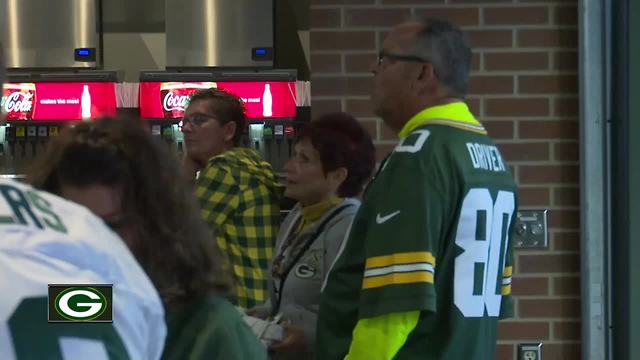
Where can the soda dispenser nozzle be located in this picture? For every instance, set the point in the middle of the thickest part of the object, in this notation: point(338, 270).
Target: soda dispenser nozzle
point(32, 133)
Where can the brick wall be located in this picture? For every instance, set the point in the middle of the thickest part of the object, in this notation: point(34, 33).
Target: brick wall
point(525, 90)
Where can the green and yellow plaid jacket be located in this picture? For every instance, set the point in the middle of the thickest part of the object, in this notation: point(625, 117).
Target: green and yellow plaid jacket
point(239, 198)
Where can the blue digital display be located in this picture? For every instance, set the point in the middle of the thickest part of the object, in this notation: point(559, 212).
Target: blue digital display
point(83, 52)
point(261, 51)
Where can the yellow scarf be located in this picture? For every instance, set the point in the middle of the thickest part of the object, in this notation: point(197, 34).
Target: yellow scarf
point(312, 213)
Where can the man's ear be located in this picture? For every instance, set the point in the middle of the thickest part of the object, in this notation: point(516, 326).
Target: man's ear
point(229, 130)
point(426, 79)
point(427, 72)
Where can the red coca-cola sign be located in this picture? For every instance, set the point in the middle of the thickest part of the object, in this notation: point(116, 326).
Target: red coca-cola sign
point(175, 96)
point(18, 100)
point(58, 101)
point(174, 102)
point(168, 100)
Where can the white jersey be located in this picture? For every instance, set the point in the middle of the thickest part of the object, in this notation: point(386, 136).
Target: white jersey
point(45, 240)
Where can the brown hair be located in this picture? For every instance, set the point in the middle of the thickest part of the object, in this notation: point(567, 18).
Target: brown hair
point(172, 243)
point(342, 142)
point(226, 107)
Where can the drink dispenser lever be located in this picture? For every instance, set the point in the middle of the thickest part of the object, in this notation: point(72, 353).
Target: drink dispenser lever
point(278, 135)
point(178, 137)
point(32, 134)
point(289, 134)
point(10, 135)
point(20, 140)
point(255, 136)
point(267, 134)
point(2, 142)
point(42, 136)
point(167, 133)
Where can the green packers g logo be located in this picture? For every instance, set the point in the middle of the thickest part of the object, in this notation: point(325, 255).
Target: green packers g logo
point(84, 303)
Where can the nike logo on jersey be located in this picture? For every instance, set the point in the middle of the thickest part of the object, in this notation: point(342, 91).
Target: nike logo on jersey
point(383, 219)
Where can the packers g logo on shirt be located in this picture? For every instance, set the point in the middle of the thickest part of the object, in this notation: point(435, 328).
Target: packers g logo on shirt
point(80, 303)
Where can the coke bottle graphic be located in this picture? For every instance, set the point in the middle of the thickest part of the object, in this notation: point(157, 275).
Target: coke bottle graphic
point(85, 103)
point(267, 101)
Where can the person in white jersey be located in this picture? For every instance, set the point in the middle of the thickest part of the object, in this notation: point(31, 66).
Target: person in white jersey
point(46, 240)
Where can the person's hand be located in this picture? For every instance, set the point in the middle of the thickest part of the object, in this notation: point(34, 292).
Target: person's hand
point(293, 342)
point(257, 312)
point(190, 166)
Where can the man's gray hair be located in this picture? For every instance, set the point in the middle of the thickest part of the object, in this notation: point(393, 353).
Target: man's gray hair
point(445, 46)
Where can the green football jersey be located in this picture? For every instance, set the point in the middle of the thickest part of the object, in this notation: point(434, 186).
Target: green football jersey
point(210, 328)
point(432, 235)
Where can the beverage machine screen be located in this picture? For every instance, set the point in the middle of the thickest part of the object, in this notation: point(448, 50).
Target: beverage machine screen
point(58, 101)
point(263, 99)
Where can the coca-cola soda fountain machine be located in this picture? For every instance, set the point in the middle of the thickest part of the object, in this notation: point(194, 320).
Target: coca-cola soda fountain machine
point(38, 106)
point(269, 97)
point(52, 51)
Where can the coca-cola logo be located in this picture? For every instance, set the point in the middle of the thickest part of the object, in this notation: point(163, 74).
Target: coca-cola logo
point(172, 102)
point(18, 102)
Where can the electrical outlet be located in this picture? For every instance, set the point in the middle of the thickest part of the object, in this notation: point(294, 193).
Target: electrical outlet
point(530, 351)
point(530, 229)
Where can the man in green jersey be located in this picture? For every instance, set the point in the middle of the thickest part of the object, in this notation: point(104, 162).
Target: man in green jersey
point(425, 272)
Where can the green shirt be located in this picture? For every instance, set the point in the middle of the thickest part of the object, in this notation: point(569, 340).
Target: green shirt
point(432, 235)
point(210, 329)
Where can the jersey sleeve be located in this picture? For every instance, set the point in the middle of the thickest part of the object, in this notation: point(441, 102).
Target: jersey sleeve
point(383, 336)
point(506, 305)
point(406, 219)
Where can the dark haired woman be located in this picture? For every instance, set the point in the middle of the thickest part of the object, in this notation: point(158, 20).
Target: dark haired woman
point(121, 173)
point(334, 158)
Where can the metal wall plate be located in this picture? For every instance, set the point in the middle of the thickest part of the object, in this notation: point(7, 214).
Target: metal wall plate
point(530, 351)
point(531, 229)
